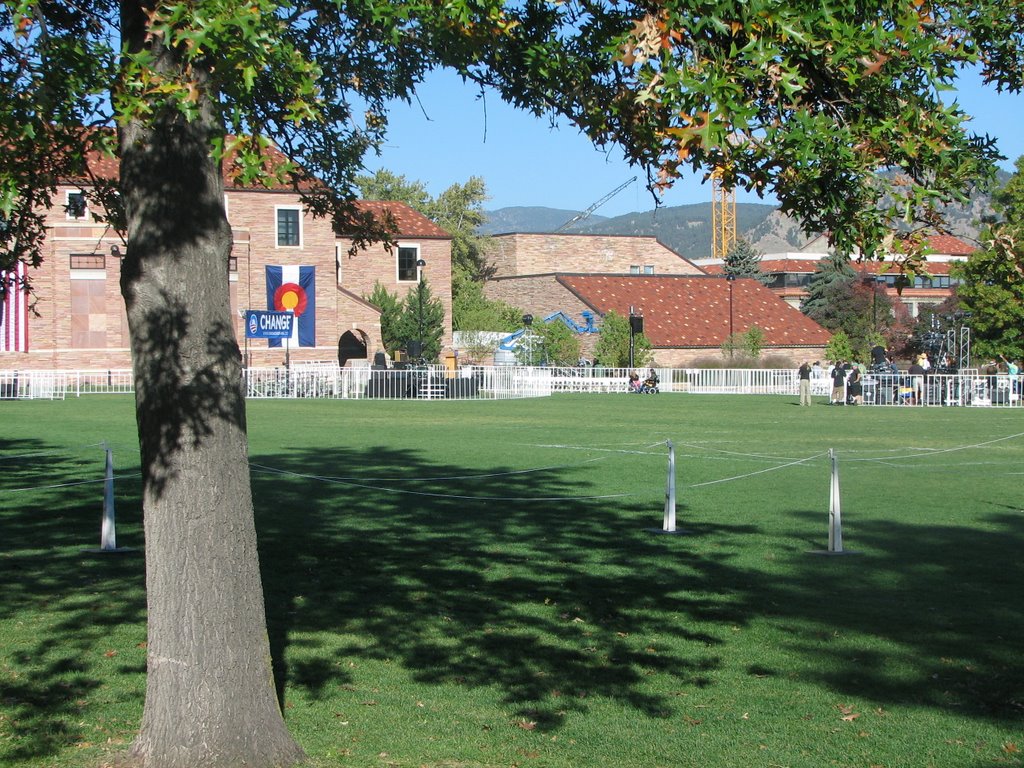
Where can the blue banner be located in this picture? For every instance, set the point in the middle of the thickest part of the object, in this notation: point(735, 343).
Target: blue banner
point(260, 324)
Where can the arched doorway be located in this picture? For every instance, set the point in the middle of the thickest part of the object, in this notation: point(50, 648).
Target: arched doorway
point(351, 346)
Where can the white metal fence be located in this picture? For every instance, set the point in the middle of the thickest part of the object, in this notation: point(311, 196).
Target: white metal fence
point(967, 388)
point(421, 383)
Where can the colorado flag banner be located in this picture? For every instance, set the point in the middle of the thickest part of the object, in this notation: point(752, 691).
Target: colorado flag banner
point(13, 310)
point(293, 289)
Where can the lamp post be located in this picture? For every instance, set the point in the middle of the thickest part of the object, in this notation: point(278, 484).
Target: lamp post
point(420, 264)
point(730, 279)
point(528, 324)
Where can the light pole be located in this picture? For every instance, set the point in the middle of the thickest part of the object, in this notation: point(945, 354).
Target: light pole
point(528, 324)
point(730, 279)
point(420, 264)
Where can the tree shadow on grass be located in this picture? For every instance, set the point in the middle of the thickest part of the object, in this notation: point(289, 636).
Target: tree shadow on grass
point(471, 583)
point(944, 598)
point(61, 604)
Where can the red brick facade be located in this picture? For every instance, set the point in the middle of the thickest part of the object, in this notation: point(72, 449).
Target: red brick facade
point(80, 322)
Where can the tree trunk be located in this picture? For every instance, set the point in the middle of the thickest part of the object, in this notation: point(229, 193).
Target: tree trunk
point(210, 696)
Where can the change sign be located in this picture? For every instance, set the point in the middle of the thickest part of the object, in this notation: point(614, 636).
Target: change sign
point(260, 324)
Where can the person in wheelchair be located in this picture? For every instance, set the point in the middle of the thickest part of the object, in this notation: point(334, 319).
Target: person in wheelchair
point(650, 385)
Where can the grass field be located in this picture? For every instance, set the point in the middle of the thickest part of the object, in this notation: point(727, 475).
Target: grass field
point(473, 584)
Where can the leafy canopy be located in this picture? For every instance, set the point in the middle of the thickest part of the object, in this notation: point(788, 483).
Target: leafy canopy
point(992, 279)
point(807, 100)
point(612, 348)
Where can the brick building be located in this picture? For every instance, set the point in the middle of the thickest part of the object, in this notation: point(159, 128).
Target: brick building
point(77, 318)
point(791, 272)
point(687, 314)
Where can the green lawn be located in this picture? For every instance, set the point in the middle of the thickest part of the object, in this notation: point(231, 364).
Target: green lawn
point(475, 583)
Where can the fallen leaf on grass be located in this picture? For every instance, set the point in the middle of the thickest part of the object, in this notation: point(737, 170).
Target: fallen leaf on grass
point(526, 725)
point(1010, 748)
point(110, 654)
point(848, 714)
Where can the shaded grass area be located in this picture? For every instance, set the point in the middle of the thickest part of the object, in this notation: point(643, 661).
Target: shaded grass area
point(431, 602)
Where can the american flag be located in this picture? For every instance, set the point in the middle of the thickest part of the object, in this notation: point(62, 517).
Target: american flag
point(13, 310)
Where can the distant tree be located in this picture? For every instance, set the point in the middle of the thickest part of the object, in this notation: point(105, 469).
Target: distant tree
point(612, 348)
point(839, 347)
point(392, 187)
point(458, 210)
point(390, 316)
point(422, 319)
point(743, 349)
point(753, 341)
point(744, 261)
point(831, 269)
point(992, 289)
point(472, 311)
point(992, 279)
point(561, 344)
point(860, 308)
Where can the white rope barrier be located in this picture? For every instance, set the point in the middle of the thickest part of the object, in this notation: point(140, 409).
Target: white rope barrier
point(758, 472)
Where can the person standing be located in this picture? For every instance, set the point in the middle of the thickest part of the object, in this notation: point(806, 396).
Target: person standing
point(838, 375)
point(804, 374)
point(1013, 371)
point(854, 387)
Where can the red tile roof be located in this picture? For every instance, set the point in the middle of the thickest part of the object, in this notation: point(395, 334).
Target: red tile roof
point(948, 244)
point(411, 223)
point(694, 311)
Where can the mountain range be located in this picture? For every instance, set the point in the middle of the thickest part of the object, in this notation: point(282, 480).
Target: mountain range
point(687, 230)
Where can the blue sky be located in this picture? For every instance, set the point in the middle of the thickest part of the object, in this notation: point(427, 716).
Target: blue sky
point(450, 134)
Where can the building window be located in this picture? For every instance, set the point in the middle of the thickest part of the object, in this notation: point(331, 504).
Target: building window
point(288, 234)
point(634, 269)
point(88, 261)
point(76, 207)
point(408, 272)
point(648, 269)
point(88, 314)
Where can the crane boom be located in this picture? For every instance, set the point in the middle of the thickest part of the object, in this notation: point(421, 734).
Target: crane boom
point(723, 217)
point(585, 214)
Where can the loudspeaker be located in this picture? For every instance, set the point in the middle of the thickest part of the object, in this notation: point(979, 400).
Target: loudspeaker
point(636, 323)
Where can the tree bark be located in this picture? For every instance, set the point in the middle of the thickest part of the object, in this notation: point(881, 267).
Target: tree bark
point(210, 696)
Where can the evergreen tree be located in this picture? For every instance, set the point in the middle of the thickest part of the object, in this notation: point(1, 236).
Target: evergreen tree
point(390, 316)
point(422, 319)
point(743, 261)
point(831, 270)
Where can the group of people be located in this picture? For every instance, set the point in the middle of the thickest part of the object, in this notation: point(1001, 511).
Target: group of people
point(648, 386)
point(847, 382)
point(848, 377)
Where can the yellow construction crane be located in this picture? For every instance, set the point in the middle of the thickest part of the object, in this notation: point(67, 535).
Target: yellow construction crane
point(723, 217)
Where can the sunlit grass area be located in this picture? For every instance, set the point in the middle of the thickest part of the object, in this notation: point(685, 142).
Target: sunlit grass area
point(479, 584)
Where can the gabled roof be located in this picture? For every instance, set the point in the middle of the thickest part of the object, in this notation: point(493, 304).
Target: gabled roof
point(693, 311)
point(950, 245)
point(410, 223)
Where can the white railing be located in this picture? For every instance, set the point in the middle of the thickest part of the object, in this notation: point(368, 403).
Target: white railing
point(419, 383)
point(308, 380)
